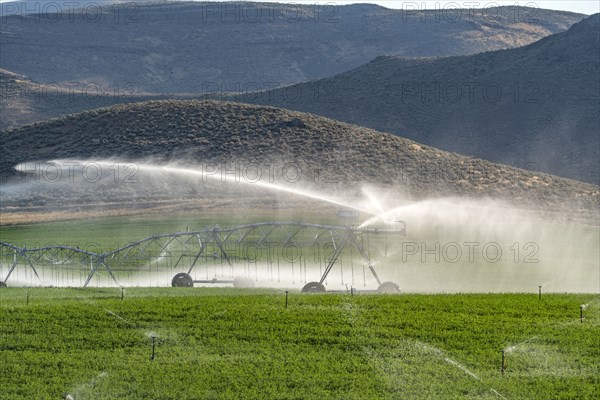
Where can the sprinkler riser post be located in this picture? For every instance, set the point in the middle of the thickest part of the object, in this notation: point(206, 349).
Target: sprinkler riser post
point(153, 347)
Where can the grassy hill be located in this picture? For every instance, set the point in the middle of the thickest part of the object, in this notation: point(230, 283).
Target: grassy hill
point(174, 47)
point(535, 107)
point(344, 156)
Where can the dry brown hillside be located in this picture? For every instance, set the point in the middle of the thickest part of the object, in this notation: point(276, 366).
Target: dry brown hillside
point(346, 156)
point(536, 106)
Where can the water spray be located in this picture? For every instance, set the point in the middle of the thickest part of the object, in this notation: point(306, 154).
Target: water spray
point(171, 169)
point(449, 214)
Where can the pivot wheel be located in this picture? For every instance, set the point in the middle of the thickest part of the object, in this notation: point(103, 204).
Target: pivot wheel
point(241, 282)
point(2, 284)
point(388, 288)
point(182, 280)
point(313, 287)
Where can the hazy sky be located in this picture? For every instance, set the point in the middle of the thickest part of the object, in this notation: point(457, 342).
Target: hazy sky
point(580, 6)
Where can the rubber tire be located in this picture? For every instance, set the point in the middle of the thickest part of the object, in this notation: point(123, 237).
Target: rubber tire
point(182, 280)
point(241, 282)
point(388, 288)
point(314, 287)
point(3, 284)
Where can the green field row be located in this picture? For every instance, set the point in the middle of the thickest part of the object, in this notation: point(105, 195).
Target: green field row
point(245, 344)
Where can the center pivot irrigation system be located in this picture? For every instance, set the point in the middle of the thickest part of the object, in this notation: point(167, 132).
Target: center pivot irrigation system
point(222, 255)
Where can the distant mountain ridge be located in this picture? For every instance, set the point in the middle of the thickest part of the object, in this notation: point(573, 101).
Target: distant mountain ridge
point(196, 47)
point(23, 101)
point(60, 67)
point(536, 107)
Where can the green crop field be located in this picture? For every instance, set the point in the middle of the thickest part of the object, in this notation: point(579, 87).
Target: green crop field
point(236, 344)
point(109, 233)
